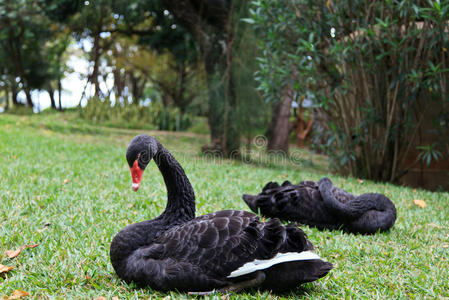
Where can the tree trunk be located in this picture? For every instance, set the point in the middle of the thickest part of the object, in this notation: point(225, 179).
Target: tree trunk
point(60, 93)
point(279, 129)
point(96, 59)
point(181, 96)
point(210, 24)
point(27, 93)
point(14, 93)
point(6, 97)
point(119, 84)
point(16, 56)
point(215, 70)
point(51, 93)
point(222, 99)
point(137, 87)
point(166, 99)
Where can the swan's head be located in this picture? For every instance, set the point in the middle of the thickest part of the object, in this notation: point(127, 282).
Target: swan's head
point(140, 151)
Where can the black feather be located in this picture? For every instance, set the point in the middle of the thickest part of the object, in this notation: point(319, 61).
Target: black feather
point(324, 206)
point(176, 251)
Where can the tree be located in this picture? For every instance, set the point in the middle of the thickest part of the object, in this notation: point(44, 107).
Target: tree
point(373, 67)
point(91, 22)
point(136, 64)
point(215, 26)
point(128, 36)
point(279, 128)
point(23, 34)
point(177, 68)
point(55, 55)
point(278, 77)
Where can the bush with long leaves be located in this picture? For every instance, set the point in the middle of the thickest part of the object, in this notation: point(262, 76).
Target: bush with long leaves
point(379, 69)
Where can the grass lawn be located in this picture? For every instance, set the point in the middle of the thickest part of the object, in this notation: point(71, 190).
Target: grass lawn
point(66, 186)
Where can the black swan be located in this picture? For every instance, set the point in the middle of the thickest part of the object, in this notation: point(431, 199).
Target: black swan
point(227, 250)
point(324, 206)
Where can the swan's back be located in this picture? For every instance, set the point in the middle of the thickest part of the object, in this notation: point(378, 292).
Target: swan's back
point(212, 252)
point(299, 203)
point(322, 205)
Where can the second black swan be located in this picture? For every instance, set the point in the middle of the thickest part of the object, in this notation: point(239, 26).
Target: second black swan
point(322, 205)
point(227, 250)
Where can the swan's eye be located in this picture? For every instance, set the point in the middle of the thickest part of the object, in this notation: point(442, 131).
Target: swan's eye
point(143, 157)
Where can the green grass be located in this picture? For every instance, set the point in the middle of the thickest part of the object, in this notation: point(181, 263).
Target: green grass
point(37, 153)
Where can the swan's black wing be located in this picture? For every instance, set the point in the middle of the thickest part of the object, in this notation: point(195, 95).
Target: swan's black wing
point(274, 199)
point(200, 254)
point(299, 203)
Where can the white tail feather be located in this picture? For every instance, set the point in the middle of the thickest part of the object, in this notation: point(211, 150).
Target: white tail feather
point(266, 263)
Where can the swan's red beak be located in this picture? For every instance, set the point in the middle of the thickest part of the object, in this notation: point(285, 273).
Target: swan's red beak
point(136, 174)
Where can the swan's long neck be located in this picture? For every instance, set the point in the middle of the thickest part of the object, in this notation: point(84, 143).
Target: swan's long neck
point(344, 209)
point(181, 198)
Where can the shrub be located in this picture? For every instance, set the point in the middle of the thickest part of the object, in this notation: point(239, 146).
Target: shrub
point(379, 69)
point(153, 116)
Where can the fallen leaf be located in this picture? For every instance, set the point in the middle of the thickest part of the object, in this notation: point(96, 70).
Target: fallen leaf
point(65, 181)
point(420, 203)
point(284, 175)
point(18, 294)
point(5, 269)
point(14, 253)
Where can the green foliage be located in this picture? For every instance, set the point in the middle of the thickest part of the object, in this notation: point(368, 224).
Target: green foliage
point(200, 126)
point(153, 116)
point(165, 32)
point(31, 47)
point(60, 10)
point(253, 111)
point(275, 24)
point(168, 118)
point(380, 70)
point(236, 108)
point(96, 201)
point(23, 34)
point(429, 153)
point(143, 46)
